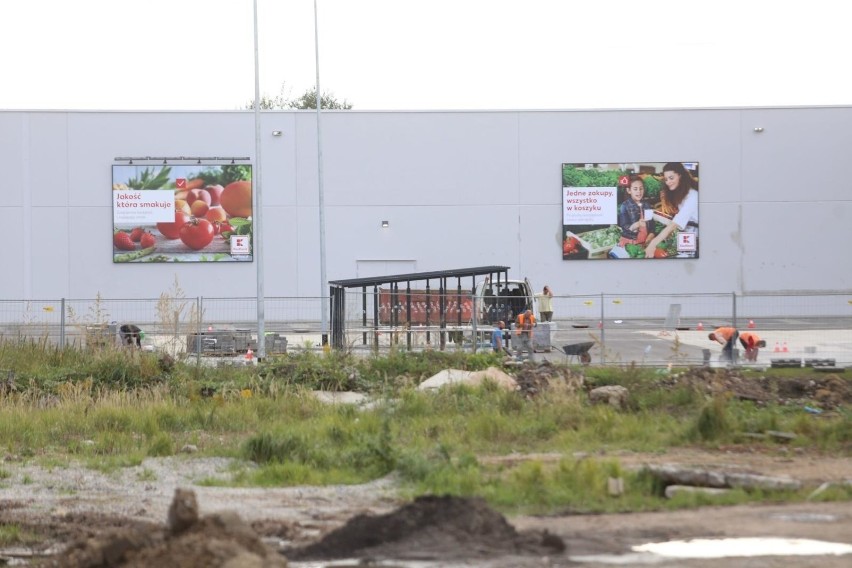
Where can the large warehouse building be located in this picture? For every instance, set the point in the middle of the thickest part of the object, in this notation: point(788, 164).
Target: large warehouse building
point(424, 191)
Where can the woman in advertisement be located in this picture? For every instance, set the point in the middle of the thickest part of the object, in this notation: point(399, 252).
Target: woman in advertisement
point(680, 197)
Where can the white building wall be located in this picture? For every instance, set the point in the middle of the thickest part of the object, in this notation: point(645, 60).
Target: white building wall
point(459, 189)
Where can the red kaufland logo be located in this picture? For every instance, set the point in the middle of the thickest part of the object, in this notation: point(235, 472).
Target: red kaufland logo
point(686, 242)
point(180, 183)
point(239, 244)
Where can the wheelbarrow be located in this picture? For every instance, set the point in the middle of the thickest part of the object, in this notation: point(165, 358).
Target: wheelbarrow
point(580, 351)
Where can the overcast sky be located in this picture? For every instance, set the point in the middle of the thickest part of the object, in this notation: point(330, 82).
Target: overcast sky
point(426, 54)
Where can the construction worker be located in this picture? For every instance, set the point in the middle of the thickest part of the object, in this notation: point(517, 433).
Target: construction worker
point(751, 343)
point(524, 330)
point(497, 343)
point(726, 336)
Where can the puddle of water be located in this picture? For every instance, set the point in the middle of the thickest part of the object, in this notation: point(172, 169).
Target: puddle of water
point(661, 552)
point(806, 518)
point(657, 552)
point(356, 563)
point(726, 547)
point(621, 559)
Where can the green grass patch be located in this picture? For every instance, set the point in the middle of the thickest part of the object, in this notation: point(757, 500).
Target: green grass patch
point(14, 535)
point(112, 411)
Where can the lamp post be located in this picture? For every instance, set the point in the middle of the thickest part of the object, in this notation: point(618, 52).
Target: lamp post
point(258, 204)
point(323, 282)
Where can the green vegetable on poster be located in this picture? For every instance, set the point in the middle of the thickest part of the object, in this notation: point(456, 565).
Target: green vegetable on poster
point(575, 177)
point(223, 175)
point(652, 188)
point(635, 251)
point(669, 245)
point(135, 255)
point(148, 179)
point(239, 226)
point(602, 238)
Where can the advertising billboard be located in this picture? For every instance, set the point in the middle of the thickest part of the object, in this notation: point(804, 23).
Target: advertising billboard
point(630, 210)
point(182, 213)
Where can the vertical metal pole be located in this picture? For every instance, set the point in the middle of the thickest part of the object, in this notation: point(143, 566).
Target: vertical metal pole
point(428, 314)
point(603, 333)
point(408, 317)
point(62, 326)
point(364, 314)
point(376, 301)
point(474, 313)
point(442, 308)
point(734, 325)
point(734, 310)
point(258, 202)
point(323, 283)
point(394, 305)
point(458, 302)
point(198, 306)
point(473, 320)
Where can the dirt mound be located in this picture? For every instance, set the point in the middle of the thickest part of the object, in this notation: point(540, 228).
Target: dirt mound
point(826, 391)
point(216, 541)
point(440, 528)
point(534, 378)
point(430, 528)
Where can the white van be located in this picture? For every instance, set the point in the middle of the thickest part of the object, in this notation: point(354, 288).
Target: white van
point(503, 300)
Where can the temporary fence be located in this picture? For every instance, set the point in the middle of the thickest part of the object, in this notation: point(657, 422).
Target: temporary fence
point(648, 329)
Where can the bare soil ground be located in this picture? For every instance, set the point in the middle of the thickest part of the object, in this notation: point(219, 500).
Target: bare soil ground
point(121, 520)
point(78, 517)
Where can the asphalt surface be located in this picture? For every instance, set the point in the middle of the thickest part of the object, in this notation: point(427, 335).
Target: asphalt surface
point(648, 342)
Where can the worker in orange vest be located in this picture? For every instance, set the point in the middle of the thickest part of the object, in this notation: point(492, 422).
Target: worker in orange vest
point(726, 336)
point(524, 330)
point(751, 343)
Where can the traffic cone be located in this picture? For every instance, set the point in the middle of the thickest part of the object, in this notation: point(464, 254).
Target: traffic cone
point(249, 354)
point(751, 324)
point(777, 347)
point(700, 326)
point(784, 348)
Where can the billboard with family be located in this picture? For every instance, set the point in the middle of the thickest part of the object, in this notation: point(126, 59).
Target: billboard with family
point(630, 210)
point(181, 213)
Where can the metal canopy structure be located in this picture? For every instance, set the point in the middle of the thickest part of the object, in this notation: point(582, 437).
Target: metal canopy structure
point(397, 292)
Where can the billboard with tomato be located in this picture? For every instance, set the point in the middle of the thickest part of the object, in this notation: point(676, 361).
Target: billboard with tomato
point(182, 213)
point(630, 210)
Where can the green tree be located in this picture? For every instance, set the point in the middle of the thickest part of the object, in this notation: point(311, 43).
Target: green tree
point(307, 100)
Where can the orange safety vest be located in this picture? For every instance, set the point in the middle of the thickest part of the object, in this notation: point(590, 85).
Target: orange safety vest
point(750, 339)
point(524, 326)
